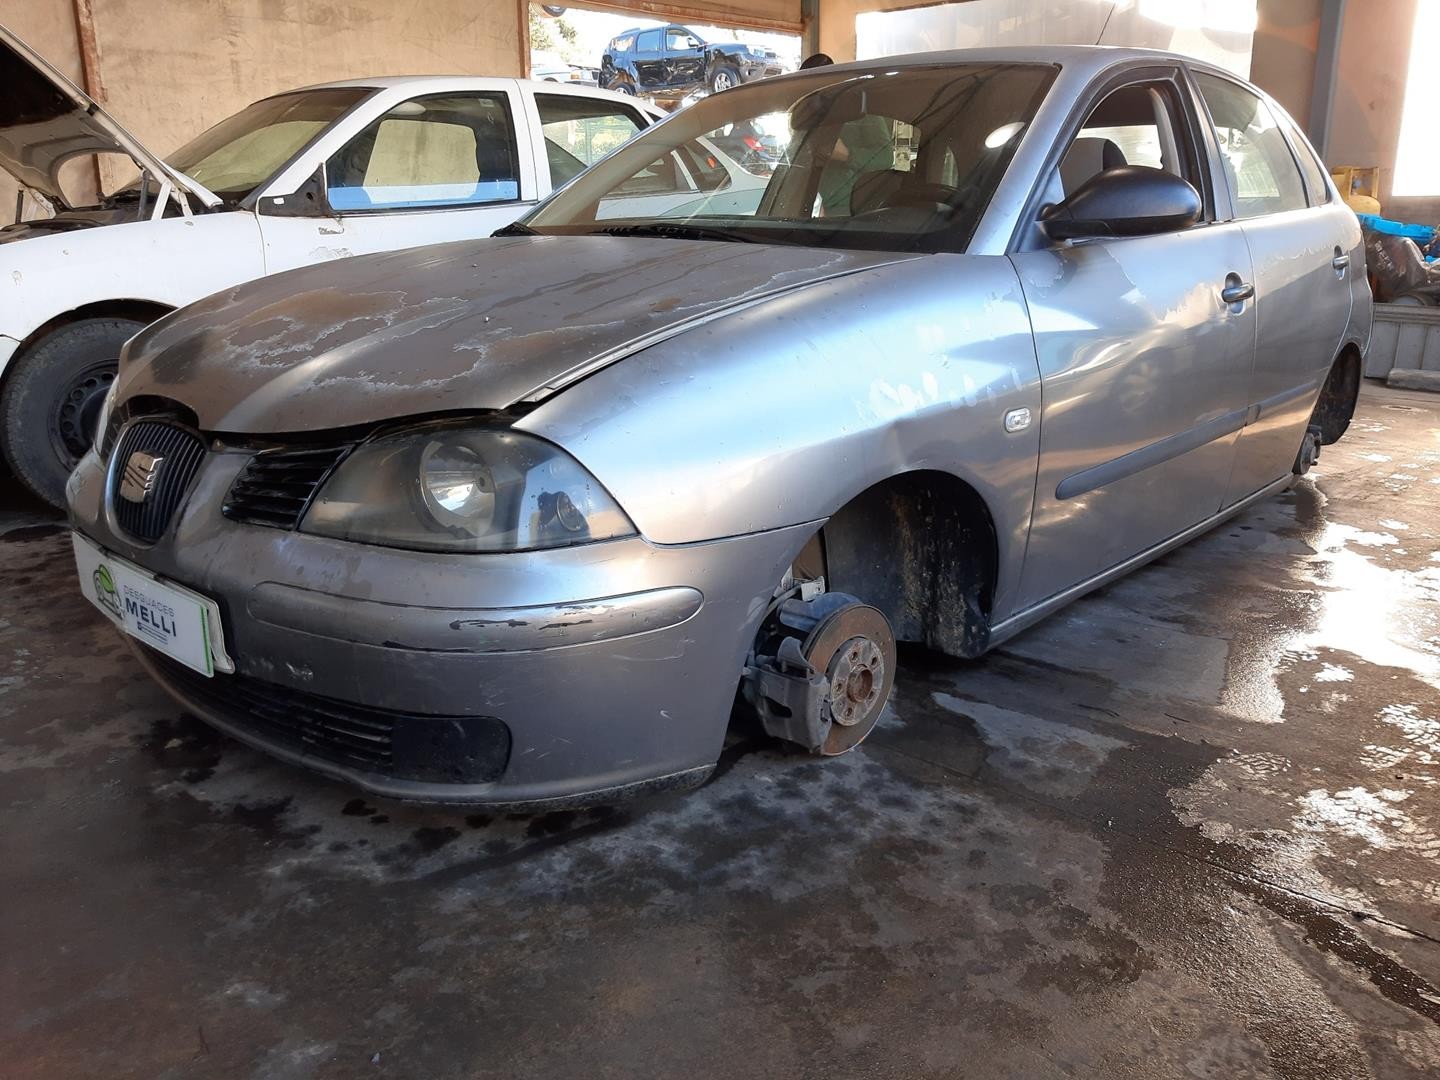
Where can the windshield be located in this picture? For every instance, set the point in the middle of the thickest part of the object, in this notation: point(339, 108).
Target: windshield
point(237, 155)
point(884, 160)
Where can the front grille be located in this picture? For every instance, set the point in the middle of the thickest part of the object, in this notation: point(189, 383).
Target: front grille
point(276, 486)
point(177, 454)
point(407, 746)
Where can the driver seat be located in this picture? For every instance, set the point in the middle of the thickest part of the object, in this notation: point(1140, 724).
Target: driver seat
point(1087, 157)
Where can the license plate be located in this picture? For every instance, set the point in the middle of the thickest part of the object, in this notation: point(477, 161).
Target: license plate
point(183, 625)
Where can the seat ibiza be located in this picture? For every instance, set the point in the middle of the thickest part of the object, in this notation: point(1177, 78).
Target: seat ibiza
point(511, 521)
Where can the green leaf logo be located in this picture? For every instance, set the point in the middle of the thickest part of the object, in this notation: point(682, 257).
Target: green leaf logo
point(102, 576)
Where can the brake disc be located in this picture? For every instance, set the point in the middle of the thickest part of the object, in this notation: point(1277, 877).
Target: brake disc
point(855, 649)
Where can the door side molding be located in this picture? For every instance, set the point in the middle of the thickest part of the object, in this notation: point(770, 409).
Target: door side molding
point(1156, 453)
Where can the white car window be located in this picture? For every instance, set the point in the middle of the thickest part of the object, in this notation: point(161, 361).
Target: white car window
point(239, 154)
point(579, 131)
point(439, 150)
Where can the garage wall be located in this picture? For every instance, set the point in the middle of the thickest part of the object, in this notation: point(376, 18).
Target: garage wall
point(49, 26)
point(837, 23)
point(1369, 87)
point(757, 14)
point(1287, 35)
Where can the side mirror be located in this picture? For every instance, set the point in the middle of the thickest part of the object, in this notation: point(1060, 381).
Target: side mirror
point(308, 200)
point(1131, 200)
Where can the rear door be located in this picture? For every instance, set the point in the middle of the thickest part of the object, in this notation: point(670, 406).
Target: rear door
point(1299, 242)
point(577, 130)
point(435, 167)
point(650, 71)
point(1144, 365)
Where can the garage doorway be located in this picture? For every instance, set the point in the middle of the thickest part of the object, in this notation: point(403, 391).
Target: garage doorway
point(668, 63)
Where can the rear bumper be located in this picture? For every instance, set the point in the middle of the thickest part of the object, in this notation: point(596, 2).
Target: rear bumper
point(610, 667)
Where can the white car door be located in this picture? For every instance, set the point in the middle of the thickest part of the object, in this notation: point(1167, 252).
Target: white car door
point(448, 165)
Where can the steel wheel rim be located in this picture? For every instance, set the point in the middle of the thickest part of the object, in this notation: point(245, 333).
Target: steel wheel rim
point(722, 82)
point(76, 411)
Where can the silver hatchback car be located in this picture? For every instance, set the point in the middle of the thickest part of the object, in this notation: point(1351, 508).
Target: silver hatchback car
point(510, 521)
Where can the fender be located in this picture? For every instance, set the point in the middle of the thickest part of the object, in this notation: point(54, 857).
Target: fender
point(167, 262)
point(919, 362)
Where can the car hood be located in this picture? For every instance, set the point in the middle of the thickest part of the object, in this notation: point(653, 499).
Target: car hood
point(45, 120)
point(471, 325)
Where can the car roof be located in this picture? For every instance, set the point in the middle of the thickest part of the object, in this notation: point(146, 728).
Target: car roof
point(387, 82)
point(1094, 58)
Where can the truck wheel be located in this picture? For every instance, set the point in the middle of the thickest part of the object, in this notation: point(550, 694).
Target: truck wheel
point(725, 78)
point(622, 86)
point(52, 398)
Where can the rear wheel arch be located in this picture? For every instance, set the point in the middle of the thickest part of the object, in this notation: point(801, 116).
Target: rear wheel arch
point(1335, 407)
point(921, 546)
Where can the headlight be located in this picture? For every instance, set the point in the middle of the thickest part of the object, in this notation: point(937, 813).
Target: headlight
point(453, 487)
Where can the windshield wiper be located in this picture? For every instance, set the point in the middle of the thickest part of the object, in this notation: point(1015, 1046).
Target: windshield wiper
point(678, 232)
point(515, 229)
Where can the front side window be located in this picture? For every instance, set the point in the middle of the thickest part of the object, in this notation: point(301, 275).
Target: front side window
point(1264, 177)
point(678, 40)
point(1138, 124)
point(579, 131)
point(239, 154)
point(438, 150)
point(888, 160)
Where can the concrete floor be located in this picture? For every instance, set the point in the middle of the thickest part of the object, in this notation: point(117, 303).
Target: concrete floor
point(1187, 828)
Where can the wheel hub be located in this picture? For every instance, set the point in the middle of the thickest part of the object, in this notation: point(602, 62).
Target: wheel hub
point(855, 648)
point(856, 675)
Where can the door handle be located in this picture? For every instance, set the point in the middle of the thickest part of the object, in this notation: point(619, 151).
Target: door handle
point(1341, 262)
point(1237, 293)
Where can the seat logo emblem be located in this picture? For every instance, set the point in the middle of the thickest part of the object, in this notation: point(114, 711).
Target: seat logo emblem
point(138, 479)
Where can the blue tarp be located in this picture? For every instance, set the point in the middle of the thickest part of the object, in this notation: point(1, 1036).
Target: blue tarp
point(1424, 235)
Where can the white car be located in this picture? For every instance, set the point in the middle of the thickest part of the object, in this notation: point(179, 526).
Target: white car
point(313, 174)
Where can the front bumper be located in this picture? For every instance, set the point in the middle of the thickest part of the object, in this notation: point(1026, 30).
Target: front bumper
point(751, 70)
point(610, 667)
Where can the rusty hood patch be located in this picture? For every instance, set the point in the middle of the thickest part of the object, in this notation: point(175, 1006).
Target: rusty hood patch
point(477, 324)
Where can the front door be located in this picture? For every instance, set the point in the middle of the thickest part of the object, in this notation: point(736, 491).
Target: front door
point(684, 58)
point(1302, 269)
point(434, 168)
point(1144, 366)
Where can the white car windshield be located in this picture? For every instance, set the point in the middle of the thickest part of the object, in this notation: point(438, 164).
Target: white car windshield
point(902, 160)
point(239, 154)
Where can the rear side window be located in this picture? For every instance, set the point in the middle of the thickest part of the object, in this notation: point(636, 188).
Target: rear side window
point(648, 41)
point(580, 131)
point(1315, 174)
point(440, 150)
point(1263, 174)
